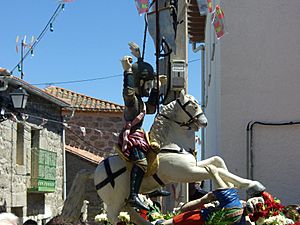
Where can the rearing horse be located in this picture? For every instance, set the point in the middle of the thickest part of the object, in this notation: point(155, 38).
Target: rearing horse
point(173, 129)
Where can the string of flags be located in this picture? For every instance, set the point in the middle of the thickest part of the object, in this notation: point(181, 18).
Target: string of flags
point(218, 18)
point(44, 121)
point(82, 129)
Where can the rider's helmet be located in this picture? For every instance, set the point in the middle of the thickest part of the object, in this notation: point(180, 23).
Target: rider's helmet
point(144, 76)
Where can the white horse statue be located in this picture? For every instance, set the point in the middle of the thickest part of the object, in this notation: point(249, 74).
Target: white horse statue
point(173, 129)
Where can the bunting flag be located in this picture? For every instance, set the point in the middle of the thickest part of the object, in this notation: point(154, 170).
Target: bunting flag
point(83, 130)
point(197, 140)
point(219, 22)
point(100, 132)
point(17, 43)
point(209, 6)
point(24, 116)
point(44, 121)
point(115, 134)
point(142, 6)
point(66, 125)
point(14, 118)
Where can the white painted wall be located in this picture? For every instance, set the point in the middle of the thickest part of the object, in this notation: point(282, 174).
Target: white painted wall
point(256, 76)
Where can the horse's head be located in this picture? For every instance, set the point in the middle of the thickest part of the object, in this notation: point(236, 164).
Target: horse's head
point(191, 114)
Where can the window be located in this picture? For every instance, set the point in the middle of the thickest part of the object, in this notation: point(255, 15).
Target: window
point(20, 144)
point(35, 138)
point(35, 143)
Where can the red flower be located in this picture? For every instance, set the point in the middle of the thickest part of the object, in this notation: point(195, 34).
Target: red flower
point(267, 196)
point(144, 214)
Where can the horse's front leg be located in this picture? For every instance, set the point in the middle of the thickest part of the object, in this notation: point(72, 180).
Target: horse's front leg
point(253, 187)
point(218, 162)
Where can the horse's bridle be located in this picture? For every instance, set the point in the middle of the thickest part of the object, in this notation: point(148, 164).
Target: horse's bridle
point(183, 107)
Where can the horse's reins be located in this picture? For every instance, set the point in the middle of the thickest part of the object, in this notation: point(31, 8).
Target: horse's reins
point(183, 107)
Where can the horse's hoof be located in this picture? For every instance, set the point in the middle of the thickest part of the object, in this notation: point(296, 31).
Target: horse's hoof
point(136, 202)
point(158, 193)
point(255, 189)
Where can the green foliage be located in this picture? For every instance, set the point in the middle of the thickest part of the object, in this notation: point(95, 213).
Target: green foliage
point(155, 214)
point(218, 218)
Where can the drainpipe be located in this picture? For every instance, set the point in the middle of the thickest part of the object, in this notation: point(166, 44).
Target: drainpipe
point(65, 117)
point(203, 104)
point(250, 150)
point(64, 164)
point(11, 165)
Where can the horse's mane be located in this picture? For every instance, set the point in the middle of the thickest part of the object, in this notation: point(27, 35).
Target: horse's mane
point(161, 125)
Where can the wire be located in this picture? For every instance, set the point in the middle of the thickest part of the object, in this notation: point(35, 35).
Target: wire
point(59, 8)
point(194, 60)
point(78, 81)
point(84, 141)
point(91, 79)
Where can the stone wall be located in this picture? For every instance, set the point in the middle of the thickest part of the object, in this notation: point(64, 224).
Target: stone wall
point(15, 178)
point(101, 142)
point(74, 165)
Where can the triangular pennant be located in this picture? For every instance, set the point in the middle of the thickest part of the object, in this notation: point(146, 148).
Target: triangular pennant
point(44, 121)
point(83, 130)
point(100, 132)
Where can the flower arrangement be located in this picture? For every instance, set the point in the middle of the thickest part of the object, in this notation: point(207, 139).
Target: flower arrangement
point(269, 212)
point(101, 218)
point(124, 219)
point(292, 212)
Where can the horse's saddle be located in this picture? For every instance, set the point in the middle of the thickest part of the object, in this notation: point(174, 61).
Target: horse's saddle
point(152, 160)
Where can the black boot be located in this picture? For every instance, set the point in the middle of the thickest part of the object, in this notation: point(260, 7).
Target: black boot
point(158, 193)
point(136, 178)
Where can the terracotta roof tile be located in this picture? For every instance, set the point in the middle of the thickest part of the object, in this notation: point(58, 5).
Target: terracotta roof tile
point(84, 154)
point(83, 102)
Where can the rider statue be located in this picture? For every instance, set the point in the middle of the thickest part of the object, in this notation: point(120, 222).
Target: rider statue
point(139, 83)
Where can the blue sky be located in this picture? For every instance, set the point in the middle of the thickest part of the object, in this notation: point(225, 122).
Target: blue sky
point(89, 39)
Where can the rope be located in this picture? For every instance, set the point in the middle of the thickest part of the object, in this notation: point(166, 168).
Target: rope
point(145, 36)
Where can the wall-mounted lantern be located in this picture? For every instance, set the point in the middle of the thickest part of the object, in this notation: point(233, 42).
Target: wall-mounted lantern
point(19, 98)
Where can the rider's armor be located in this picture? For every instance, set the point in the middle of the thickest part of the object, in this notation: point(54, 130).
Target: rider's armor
point(132, 139)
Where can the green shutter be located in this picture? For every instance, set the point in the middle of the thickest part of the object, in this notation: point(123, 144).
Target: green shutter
point(43, 167)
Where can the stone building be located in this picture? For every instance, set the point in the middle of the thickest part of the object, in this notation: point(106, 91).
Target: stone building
point(90, 137)
point(31, 151)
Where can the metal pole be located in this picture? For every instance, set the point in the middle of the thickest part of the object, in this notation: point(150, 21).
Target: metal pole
point(157, 49)
point(22, 50)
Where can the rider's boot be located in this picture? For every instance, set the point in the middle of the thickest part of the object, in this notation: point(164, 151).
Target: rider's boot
point(158, 193)
point(136, 178)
